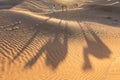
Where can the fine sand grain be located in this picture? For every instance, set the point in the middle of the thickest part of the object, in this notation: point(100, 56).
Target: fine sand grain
point(82, 43)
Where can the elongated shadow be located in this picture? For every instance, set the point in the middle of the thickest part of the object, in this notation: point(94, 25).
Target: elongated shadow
point(95, 11)
point(25, 46)
point(55, 51)
point(32, 61)
point(28, 42)
point(94, 47)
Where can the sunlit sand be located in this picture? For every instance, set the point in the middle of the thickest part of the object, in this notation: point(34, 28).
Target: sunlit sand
point(81, 42)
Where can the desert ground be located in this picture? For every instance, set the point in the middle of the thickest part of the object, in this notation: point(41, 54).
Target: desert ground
point(81, 42)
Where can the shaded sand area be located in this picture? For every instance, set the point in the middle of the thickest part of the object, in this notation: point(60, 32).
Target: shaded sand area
point(82, 43)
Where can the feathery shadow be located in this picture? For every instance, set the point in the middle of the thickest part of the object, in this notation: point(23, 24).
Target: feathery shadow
point(94, 47)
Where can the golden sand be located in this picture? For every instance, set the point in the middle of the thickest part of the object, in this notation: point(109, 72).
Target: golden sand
point(79, 44)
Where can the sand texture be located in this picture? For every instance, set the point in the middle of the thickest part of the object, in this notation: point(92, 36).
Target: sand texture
point(81, 42)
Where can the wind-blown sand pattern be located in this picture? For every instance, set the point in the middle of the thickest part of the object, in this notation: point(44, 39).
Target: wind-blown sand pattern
point(82, 43)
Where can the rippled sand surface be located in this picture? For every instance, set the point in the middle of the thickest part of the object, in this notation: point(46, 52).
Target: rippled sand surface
point(82, 43)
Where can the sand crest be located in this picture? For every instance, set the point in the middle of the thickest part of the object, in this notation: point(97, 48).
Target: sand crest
point(81, 43)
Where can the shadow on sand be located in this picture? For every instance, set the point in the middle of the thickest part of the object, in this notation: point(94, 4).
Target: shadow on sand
point(55, 50)
point(94, 47)
point(38, 30)
point(93, 12)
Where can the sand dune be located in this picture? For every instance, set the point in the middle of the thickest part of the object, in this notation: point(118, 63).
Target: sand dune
point(79, 44)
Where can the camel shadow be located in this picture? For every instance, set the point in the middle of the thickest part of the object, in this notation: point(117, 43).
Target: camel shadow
point(55, 49)
point(60, 39)
point(38, 30)
point(55, 52)
point(95, 47)
point(58, 52)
